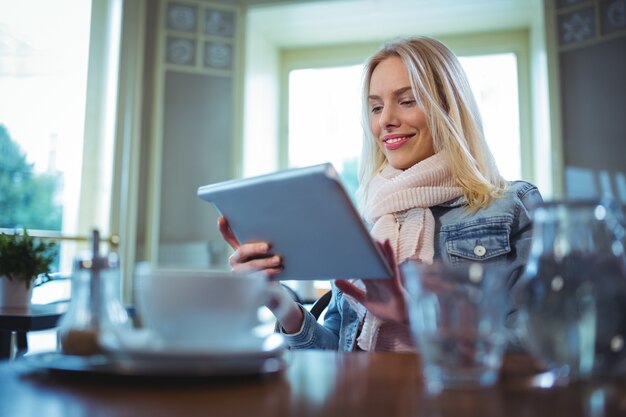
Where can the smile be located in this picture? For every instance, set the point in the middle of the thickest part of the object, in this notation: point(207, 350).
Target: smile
point(395, 141)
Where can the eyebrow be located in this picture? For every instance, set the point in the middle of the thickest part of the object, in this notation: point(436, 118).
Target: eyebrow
point(396, 93)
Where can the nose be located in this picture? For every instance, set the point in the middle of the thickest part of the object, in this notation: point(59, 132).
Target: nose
point(388, 118)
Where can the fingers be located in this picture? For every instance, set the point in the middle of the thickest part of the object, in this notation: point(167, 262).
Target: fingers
point(348, 288)
point(226, 232)
point(264, 264)
point(384, 298)
point(387, 250)
point(247, 251)
point(269, 272)
point(378, 290)
point(249, 256)
point(373, 292)
point(255, 256)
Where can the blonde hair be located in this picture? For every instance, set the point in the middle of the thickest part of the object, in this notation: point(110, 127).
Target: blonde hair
point(441, 89)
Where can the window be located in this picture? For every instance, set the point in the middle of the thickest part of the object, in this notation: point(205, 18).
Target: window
point(44, 50)
point(57, 118)
point(325, 104)
point(324, 119)
point(324, 126)
point(493, 79)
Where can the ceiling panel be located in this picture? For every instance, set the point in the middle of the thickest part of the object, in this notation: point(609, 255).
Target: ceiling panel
point(319, 22)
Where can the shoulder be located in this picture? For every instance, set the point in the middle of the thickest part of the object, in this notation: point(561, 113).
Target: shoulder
point(490, 233)
point(513, 207)
point(522, 190)
point(520, 196)
point(514, 195)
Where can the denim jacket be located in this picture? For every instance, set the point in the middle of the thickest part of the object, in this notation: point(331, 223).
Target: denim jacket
point(498, 234)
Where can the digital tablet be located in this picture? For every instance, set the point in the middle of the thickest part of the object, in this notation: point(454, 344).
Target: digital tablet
point(308, 218)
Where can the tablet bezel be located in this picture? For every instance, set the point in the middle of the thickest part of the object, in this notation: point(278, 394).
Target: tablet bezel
point(308, 218)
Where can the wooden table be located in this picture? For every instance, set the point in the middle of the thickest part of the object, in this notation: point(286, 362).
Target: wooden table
point(15, 321)
point(316, 383)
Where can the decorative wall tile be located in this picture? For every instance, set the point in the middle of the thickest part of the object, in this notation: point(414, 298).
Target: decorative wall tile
point(566, 3)
point(613, 16)
point(219, 23)
point(218, 55)
point(577, 26)
point(181, 51)
point(182, 17)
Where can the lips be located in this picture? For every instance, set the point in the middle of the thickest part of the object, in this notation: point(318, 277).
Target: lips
point(393, 142)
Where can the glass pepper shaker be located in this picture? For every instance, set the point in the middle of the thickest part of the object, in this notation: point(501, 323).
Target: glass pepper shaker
point(95, 304)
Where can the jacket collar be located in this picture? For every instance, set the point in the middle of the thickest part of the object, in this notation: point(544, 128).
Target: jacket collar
point(455, 202)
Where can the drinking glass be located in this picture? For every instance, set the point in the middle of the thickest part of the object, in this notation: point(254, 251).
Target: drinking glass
point(456, 315)
point(573, 292)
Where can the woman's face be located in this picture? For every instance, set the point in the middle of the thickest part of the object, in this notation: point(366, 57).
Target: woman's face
point(397, 123)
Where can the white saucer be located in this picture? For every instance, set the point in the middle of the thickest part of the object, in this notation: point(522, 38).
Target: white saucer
point(97, 365)
point(131, 352)
point(142, 344)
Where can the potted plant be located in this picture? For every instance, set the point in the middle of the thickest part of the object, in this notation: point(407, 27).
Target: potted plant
point(22, 259)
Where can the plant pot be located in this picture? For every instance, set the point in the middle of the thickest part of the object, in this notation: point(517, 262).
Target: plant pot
point(14, 294)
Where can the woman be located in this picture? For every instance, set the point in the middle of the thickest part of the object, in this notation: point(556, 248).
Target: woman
point(429, 187)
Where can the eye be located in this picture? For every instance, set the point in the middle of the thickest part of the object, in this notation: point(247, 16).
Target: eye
point(407, 102)
point(376, 109)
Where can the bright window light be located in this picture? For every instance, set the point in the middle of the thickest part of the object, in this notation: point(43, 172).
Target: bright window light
point(493, 79)
point(44, 51)
point(324, 119)
point(325, 111)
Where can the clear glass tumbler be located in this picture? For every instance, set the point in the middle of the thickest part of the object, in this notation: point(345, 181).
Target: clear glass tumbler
point(573, 292)
point(457, 320)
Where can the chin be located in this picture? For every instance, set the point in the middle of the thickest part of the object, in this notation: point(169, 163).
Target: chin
point(406, 163)
point(402, 165)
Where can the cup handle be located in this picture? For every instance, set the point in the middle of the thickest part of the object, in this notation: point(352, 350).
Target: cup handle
point(282, 299)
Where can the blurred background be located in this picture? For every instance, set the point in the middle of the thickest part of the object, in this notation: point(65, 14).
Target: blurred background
point(114, 112)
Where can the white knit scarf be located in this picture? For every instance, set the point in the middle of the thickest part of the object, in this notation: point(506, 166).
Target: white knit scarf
point(398, 207)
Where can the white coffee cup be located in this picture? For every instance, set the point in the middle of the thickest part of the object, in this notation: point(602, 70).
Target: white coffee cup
point(204, 310)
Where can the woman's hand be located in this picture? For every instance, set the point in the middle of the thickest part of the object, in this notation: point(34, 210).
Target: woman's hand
point(384, 298)
point(255, 256)
point(249, 256)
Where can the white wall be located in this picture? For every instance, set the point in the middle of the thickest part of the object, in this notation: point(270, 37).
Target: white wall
point(547, 159)
point(261, 101)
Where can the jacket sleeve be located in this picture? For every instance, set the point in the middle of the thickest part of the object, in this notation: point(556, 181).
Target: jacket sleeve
point(313, 335)
point(528, 198)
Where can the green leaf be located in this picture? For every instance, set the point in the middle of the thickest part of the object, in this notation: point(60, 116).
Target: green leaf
point(24, 258)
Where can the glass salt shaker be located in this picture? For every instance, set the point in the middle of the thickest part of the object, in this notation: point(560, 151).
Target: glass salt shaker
point(95, 304)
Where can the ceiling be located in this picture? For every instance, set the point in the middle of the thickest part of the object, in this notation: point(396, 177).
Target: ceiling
point(265, 2)
point(299, 23)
